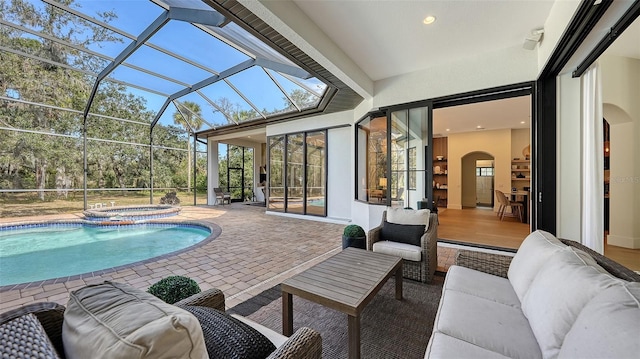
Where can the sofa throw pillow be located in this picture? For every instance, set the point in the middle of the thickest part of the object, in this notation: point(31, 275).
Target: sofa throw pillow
point(24, 337)
point(119, 321)
point(403, 233)
point(228, 337)
point(607, 327)
point(569, 279)
point(531, 256)
point(408, 216)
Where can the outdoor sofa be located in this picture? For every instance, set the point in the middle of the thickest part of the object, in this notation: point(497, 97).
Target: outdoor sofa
point(110, 320)
point(554, 299)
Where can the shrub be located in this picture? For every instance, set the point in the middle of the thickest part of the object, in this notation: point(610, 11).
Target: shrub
point(170, 198)
point(174, 288)
point(353, 230)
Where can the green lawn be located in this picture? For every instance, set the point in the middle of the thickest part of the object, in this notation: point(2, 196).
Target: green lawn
point(22, 205)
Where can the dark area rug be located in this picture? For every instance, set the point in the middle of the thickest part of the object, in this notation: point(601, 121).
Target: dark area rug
point(389, 328)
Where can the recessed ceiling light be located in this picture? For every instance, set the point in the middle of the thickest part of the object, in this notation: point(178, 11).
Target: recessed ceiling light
point(448, 130)
point(522, 122)
point(479, 126)
point(429, 20)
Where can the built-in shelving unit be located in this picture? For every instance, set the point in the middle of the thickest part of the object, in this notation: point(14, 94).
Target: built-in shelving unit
point(440, 171)
point(520, 174)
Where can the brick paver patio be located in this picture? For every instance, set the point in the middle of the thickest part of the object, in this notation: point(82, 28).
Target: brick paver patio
point(254, 252)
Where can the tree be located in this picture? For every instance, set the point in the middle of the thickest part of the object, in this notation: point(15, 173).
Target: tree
point(304, 99)
point(47, 83)
point(189, 116)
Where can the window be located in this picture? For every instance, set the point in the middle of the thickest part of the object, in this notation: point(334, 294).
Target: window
point(392, 174)
point(412, 168)
point(484, 171)
point(276, 173)
point(372, 159)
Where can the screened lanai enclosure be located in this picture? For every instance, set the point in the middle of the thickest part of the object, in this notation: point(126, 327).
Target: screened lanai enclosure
point(102, 101)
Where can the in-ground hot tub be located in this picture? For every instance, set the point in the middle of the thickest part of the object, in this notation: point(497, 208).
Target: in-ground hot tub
point(131, 213)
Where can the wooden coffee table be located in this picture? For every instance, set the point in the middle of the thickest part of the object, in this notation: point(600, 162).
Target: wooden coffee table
point(346, 282)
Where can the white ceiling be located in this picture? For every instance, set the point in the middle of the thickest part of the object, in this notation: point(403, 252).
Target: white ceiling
point(490, 115)
point(387, 38)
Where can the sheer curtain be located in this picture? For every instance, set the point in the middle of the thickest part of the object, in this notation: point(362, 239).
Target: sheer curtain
point(592, 161)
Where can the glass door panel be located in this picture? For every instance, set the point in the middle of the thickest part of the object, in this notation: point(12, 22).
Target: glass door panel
point(276, 173)
point(316, 173)
point(295, 174)
point(399, 157)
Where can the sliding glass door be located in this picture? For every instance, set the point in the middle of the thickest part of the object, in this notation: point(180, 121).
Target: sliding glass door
point(298, 173)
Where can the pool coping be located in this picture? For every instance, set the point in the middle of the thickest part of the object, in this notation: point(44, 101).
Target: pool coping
point(213, 228)
point(161, 211)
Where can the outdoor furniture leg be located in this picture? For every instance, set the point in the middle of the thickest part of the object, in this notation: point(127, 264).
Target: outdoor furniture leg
point(287, 314)
point(399, 283)
point(354, 337)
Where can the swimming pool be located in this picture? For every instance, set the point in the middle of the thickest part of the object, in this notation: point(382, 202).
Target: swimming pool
point(38, 252)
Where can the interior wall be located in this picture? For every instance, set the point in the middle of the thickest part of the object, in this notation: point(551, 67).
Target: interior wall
point(469, 179)
point(621, 107)
point(496, 143)
point(520, 138)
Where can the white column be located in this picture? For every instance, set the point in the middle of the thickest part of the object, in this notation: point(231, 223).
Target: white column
point(213, 171)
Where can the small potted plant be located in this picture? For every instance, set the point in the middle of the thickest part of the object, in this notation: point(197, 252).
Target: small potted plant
point(175, 288)
point(354, 236)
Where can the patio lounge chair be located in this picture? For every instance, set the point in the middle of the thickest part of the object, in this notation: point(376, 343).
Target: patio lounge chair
point(221, 197)
point(36, 330)
point(418, 261)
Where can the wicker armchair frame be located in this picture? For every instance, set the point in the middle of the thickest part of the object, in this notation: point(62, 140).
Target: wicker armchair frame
point(424, 270)
point(304, 343)
point(498, 264)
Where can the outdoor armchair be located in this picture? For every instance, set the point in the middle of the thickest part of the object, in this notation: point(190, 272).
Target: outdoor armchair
point(422, 268)
point(304, 343)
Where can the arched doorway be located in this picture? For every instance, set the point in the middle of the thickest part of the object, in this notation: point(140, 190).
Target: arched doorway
point(477, 180)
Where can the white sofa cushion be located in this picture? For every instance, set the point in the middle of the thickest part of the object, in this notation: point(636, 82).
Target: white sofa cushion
point(533, 252)
point(607, 327)
point(487, 324)
point(445, 346)
point(481, 284)
point(568, 280)
point(115, 320)
point(408, 216)
point(404, 250)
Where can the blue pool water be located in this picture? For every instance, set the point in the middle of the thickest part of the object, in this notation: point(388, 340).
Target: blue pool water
point(53, 251)
point(316, 202)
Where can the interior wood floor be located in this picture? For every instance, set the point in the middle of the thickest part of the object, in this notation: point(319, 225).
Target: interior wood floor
point(482, 226)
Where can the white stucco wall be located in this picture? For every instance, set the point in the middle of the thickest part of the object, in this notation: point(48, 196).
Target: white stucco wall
point(495, 143)
point(504, 67)
point(339, 169)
